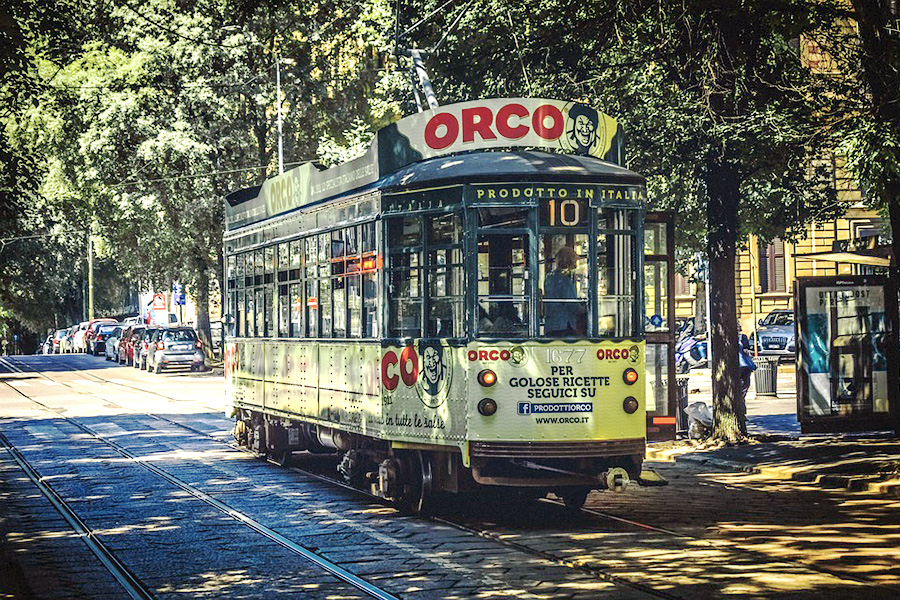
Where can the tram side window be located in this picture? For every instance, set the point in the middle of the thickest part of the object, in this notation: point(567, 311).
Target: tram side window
point(616, 279)
point(445, 276)
point(312, 286)
point(404, 276)
point(369, 283)
point(295, 275)
point(249, 313)
point(325, 306)
point(338, 288)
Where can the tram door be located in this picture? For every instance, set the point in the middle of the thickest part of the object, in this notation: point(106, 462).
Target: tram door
point(659, 324)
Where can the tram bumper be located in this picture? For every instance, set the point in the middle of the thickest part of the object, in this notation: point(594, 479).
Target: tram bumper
point(606, 464)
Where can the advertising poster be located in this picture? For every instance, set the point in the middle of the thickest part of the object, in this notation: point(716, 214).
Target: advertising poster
point(844, 343)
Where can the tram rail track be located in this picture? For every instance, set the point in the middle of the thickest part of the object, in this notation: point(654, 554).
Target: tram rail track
point(134, 588)
point(586, 569)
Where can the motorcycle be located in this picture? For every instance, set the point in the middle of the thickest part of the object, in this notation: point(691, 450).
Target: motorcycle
point(699, 415)
point(690, 350)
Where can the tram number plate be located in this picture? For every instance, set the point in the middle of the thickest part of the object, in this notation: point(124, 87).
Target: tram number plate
point(565, 355)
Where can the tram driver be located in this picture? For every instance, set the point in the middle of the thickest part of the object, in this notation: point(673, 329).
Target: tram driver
point(564, 314)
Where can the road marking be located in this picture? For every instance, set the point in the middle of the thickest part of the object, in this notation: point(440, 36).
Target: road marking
point(48, 382)
point(85, 382)
point(120, 381)
point(19, 383)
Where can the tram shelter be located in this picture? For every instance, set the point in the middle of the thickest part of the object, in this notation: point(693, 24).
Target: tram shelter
point(847, 362)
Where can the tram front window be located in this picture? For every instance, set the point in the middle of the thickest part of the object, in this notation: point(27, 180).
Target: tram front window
point(564, 284)
point(503, 285)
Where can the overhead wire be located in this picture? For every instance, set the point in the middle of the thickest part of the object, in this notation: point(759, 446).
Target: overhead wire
point(201, 175)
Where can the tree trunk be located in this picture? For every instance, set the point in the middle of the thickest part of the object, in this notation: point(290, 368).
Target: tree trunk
point(202, 298)
point(876, 22)
point(729, 408)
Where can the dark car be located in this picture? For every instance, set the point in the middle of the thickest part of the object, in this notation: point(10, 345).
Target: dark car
point(97, 342)
point(126, 344)
point(90, 335)
point(175, 347)
point(142, 347)
point(775, 335)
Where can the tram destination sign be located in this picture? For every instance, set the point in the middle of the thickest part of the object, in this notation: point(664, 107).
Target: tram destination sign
point(554, 125)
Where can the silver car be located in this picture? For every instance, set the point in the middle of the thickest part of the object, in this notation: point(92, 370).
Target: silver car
point(175, 347)
point(776, 335)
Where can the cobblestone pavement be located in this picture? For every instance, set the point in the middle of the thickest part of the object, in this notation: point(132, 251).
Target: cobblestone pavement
point(717, 533)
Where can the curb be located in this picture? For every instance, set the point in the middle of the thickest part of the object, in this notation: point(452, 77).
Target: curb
point(883, 485)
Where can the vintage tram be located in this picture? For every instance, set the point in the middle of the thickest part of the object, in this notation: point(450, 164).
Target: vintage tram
point(460, 307)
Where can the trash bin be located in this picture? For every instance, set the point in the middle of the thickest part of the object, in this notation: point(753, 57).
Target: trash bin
point(681, 398)
point(766, 375)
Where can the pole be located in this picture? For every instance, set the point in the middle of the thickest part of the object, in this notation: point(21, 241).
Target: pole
point(278, 93)
point(90, 262)
point(419, 66)
point(753, 300)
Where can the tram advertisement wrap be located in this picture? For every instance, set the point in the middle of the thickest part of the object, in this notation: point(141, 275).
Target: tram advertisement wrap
point(506, 122)
point(558, 391)
point(552, 391)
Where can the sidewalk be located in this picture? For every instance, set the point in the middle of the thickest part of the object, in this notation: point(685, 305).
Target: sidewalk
point(857, 462)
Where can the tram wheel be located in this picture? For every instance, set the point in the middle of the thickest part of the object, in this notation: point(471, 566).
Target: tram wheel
point(575, 499)
point(281, 458)
point(240, 432)
point(418, 497)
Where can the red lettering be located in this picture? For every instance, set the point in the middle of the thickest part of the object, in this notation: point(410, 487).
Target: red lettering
point(504, 355)
point(503, 127)
point(409, 366)
point(389, 381)
point(494, 355)
point(539, 117)
point(473, 355)
point(482, 126)
point(439, 142)
point(482, 355)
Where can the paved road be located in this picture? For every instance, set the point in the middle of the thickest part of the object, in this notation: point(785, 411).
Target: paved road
point(99, 435)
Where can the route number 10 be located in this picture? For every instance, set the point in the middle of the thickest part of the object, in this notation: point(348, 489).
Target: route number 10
point(568, 212)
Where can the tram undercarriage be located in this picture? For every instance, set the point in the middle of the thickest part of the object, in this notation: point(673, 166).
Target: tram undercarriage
point(414, 475)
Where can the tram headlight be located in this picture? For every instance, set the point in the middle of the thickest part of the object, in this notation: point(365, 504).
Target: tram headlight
point(487, 378)
point(630, 405)
point(630, 376)
point(487, 407)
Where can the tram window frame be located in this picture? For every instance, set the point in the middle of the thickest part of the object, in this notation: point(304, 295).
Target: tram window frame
point(311, 286)
point(616, 228)
point(409, 256)
point(326, 317)
point(369, 280)
point(451, 269)
point(338, 283)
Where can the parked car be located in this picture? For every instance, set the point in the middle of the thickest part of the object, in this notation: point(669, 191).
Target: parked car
point(67, 342)
point(127, 343)
point(90, 335)
point(142, 347)
point(78, 337)
point(775, 335)
point(58, 335)
point(217, 335)
point(110, 341)
point(175, 347)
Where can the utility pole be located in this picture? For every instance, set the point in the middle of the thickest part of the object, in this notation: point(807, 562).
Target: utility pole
point(90, 266)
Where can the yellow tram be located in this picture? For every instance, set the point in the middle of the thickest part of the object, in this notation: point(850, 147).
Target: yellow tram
point(459, 307)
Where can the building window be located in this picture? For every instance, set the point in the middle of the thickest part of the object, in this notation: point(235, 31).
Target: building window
point(771, 267)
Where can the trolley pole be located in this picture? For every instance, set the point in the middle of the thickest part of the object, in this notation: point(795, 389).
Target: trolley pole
point(278, 94)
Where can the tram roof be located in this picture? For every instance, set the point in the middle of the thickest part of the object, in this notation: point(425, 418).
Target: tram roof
point(498, 167)
point(457, 143)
